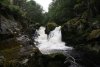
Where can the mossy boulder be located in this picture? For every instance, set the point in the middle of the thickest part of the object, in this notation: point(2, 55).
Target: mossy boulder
point(13, 58)
point(51, 60)
point(94, 34)
point(75, 24)
point(60, 60)
point(50, 26)
point(74, 31)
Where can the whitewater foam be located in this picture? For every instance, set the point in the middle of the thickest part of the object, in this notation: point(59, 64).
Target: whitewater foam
point(51, 43)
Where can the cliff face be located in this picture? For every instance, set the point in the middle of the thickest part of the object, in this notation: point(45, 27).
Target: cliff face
point(9, 29)
point(9, 26)
point(84, 36)
point(12, 26)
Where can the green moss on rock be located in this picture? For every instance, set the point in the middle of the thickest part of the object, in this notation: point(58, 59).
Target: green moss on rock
point(94, 34)
point(50, 26)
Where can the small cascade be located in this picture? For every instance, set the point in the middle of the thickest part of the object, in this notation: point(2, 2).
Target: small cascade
point(51, 43)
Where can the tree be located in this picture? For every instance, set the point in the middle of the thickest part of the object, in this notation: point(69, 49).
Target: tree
point(20, 3)
point(61, 10)
point(33, 11)
point(6, 2)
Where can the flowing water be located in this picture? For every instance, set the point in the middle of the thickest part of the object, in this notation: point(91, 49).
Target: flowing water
point(51, 43)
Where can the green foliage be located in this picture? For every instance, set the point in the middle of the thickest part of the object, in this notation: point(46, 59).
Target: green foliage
point(51, 25)
point(11, 11)
point(33, 11)
point(60, 10)
point(15, 11)
point(6, 2)
point(30, 10)
point(46, 18)
point(20, 3)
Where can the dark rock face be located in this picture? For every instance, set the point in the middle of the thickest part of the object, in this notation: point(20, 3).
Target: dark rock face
point(9, 28)
point(9, 25)
point(84, 36)
point(39, 60)
point(73, 31)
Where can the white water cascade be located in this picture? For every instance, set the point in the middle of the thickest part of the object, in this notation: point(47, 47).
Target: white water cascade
point(51, 43)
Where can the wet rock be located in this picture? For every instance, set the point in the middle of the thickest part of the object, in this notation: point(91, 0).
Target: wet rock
point(39, 60)
point(50, 26)
point(23, 39)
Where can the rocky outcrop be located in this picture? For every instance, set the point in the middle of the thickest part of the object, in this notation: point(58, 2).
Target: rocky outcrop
point(50, 26)
point(73, 31)
point(9, 25)
point(84, 36)
point(9, 28)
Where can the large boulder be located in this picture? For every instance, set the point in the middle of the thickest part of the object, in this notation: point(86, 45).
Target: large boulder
point(73, 31)
point(50, 26)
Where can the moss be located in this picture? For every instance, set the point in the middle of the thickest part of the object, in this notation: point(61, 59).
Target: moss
point(13, 63)
point(10, 48)
point(85, 14)
point(8, 44)
point(75, 22)
point(11, 54)
point(94, 34)
point(50, 26)
point(74, 32)
point(72, 21)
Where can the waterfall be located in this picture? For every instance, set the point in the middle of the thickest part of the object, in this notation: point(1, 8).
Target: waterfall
point(51, 43)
